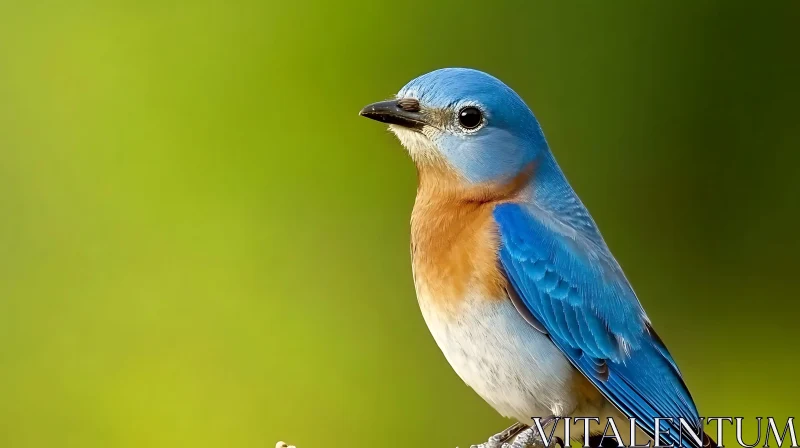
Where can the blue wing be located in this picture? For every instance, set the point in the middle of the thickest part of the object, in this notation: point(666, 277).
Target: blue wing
point(566, 277)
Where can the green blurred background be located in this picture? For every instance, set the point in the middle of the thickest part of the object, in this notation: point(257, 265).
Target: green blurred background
point(202, 244)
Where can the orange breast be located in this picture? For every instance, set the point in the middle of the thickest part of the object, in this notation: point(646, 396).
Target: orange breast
point(454, 240)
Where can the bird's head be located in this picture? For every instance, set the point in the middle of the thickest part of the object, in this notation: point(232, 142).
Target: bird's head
point(465, 120)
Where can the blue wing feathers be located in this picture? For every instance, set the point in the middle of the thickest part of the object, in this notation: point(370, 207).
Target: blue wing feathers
point(578, 293)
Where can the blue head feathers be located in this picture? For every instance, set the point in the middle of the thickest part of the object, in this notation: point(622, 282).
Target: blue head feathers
point(471, 120)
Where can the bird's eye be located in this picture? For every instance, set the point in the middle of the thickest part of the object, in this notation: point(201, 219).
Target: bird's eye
point(470, 117)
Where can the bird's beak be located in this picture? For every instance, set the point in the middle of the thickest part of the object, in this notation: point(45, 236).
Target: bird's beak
point(403, 112)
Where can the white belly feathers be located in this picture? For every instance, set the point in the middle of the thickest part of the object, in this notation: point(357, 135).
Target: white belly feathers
point(495, 351)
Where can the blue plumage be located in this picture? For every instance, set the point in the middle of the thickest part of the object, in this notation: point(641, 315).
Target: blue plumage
point(602, 323)
point(564, 303)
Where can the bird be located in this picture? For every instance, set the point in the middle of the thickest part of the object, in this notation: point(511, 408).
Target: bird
point(514, 280)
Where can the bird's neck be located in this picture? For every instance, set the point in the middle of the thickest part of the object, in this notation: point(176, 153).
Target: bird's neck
point(439, 184)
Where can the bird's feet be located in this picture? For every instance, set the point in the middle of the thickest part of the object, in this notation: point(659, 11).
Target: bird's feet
point(499, 440)
point(524, 437)
point(530, 438)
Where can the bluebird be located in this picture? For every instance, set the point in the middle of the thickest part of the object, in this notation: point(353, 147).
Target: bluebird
point(514, 280)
